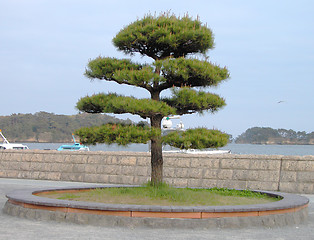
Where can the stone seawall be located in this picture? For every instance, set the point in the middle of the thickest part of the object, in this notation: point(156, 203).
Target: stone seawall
point(294, 174)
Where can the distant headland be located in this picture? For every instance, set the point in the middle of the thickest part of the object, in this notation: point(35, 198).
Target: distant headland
point(43, 127)
point(266, 135)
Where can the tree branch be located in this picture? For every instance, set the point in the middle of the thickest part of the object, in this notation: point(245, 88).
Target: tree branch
point(112, 103)
point(186, 101)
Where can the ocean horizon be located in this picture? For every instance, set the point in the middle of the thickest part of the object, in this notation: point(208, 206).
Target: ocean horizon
point(287, 150)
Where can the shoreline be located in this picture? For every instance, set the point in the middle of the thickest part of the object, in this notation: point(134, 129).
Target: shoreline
point(267, 144)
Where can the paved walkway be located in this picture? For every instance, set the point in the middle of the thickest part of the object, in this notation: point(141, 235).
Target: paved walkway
point(21, 229)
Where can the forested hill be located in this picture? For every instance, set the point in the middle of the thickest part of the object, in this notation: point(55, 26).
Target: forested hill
point(49, 127)
point(258, 135)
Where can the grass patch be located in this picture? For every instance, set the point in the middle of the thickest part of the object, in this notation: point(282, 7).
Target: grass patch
point(166, 195)
point(69, 196)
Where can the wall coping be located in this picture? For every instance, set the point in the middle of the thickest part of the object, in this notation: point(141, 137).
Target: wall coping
point(166, 155)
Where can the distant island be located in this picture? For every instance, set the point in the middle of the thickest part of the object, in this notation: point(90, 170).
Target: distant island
point(43, 127)
point(266, 135)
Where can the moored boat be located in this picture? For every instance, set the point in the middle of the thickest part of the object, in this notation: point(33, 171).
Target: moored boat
point(7, 145)
point(74, 147)
point(167, 127)
point(196, 151)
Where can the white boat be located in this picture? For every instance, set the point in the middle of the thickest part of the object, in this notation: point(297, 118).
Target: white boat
point(196, 151)
point(7, 145)
point(214, 151)
point(167, 127)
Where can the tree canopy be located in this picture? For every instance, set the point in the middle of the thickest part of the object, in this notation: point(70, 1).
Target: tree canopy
point(164, 36)
point(171, 42)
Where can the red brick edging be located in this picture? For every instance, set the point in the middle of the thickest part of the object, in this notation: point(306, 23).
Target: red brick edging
point(152, 214)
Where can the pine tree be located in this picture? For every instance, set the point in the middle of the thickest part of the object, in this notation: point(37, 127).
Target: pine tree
point(174, 44)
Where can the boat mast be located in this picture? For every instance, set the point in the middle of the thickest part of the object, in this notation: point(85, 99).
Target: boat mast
point(4, 139)
point(73, 138)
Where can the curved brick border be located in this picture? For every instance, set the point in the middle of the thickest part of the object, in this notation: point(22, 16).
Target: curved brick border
point(291, 210)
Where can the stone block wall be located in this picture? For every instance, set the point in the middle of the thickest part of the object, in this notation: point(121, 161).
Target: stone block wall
point(297, 174)
point(260, 172)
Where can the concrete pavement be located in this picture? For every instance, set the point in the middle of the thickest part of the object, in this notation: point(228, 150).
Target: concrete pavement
point(21, 229)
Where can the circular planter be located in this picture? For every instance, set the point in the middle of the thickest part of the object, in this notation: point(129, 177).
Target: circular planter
point(290, 210)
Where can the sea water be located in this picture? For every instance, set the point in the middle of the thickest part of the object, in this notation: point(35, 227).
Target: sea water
point(298, 150)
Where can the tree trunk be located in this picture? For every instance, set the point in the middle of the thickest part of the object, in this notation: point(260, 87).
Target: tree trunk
point(156, 154)
point(156, 147)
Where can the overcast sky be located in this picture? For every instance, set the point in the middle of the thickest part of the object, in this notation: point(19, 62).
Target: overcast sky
point(267, 45)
